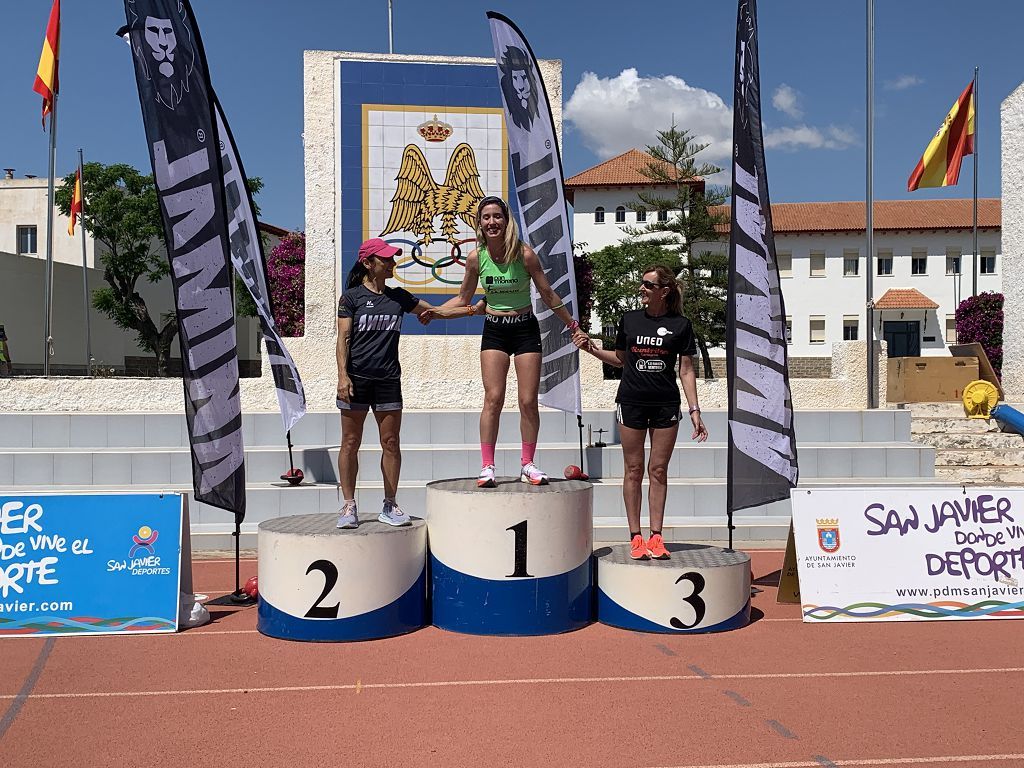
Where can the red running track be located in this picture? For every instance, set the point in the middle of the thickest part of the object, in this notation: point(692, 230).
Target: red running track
point(776, 693)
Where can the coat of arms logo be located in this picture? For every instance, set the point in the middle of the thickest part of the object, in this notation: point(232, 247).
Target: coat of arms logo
point(828, 534)
point(418, 199)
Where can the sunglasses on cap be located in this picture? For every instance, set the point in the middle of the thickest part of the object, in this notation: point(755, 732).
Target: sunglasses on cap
point(651, 286)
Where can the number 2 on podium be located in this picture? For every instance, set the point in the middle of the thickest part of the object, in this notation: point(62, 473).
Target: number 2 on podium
point(519, 570)
point(330, 572)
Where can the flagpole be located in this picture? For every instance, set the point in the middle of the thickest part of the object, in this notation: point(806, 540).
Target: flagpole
point(974, 261)
point(391, 37)
point(48, 295)
point(85, 268)
point(869, 209)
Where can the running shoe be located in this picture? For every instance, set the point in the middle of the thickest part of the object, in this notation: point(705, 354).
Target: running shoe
point(531, 474)
point(348, 517)
point(656, 546)
point(486, 478)
point(392, 514)
point(638, 549)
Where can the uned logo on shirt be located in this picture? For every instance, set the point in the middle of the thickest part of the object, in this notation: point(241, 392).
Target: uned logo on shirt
point(652, 340)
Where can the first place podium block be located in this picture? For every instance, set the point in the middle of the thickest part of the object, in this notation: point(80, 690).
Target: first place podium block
point(318, 583)
point(511, 560)
point(698, 589)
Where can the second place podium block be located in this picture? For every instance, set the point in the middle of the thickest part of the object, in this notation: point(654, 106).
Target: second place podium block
point(511, 560)
point(319, 583)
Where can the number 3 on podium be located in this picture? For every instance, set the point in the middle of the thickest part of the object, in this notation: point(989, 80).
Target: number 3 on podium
point(693, 600)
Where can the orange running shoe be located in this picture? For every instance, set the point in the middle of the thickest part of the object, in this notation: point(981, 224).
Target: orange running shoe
point(638, 549)
point(656, 546)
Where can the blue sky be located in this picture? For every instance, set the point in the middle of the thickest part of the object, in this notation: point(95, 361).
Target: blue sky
point(627, 70)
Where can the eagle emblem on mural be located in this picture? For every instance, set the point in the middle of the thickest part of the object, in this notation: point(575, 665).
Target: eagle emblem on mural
point(419, 199)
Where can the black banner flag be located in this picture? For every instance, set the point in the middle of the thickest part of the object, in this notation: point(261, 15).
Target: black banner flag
point(762, 441)
point(251, 267)
point(177, 110)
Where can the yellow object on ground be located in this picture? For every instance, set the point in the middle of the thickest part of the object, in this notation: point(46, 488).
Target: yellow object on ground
point(980, 397)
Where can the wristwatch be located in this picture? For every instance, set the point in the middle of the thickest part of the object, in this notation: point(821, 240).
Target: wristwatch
point(695, 409)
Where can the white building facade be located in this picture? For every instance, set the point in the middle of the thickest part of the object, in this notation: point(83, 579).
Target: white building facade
point(923, 262)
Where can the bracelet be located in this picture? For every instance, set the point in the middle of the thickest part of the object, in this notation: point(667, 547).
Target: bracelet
point(558, 307)
point(573, 325)
point(695, 409)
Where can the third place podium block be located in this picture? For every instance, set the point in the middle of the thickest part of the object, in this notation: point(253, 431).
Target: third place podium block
point(319, 583)
point(698, 589)
point(511, 560)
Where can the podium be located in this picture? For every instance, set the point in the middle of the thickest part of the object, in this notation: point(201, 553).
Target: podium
point(698, 589)
point(322, 584)
point(510, 560)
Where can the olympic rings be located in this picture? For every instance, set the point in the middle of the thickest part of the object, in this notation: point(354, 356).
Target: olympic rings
point(416, 256)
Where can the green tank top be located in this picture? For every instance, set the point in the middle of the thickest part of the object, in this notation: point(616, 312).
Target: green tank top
point(506, 286)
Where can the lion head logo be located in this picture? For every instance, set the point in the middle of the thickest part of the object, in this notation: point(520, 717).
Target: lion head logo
point(519, 85)
point(166, 53)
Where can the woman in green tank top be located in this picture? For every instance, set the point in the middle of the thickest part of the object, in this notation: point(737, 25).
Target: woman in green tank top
point(504, 267)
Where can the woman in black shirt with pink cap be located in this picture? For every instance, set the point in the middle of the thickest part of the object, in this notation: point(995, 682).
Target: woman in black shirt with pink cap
point(648, 344)
point(370, 317)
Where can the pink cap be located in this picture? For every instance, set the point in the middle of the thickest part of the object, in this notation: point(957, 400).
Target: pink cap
point(377, 247)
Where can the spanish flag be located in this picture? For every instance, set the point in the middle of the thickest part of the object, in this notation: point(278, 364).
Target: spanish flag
point(76, 203)
point(940, 165)
point(46, 76)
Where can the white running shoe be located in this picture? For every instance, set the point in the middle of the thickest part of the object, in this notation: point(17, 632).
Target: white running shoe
point(486, 478)
point(531, 474)
point(348, 517)
point(392, 514)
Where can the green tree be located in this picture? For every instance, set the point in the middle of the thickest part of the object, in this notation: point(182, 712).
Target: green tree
point(696, 219)
point(123, 214)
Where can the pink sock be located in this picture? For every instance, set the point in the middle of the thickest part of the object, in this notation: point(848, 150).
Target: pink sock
point(487, 454)
point(529, 449)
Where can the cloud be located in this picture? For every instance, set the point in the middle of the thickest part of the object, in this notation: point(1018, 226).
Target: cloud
point(785, 100)
point(902, 82)
point(613, 114)
point(809, 137)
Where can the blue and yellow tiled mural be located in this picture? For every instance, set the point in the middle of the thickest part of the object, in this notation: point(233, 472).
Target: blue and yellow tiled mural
point(421, 143)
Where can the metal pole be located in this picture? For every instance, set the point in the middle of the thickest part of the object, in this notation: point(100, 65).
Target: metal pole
point(869, 209)
point(974, 261)
point(85, 271)
point(48, 293)
point(391, 36)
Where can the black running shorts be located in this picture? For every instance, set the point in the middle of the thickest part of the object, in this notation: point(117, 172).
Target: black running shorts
point(650, 416)
point(511, 334)
point(379, 394)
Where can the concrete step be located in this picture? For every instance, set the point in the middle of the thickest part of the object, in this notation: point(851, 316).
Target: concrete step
point(45, 467)
point(981, 475)
point(955, 440)
point(137, 430)
point(980, 457)
point(928, 425)
point(695, 510)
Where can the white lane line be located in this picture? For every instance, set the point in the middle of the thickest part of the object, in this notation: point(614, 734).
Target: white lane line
point(865, 761)
point(515, 681)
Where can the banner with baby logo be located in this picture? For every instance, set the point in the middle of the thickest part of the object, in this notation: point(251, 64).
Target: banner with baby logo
point(89, 564)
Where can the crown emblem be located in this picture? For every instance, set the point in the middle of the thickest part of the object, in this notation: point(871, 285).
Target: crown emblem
point(434, 130)
point(827, 521)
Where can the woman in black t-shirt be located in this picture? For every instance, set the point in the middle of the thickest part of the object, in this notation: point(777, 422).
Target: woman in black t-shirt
point(369, 323)
point(648, 343)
